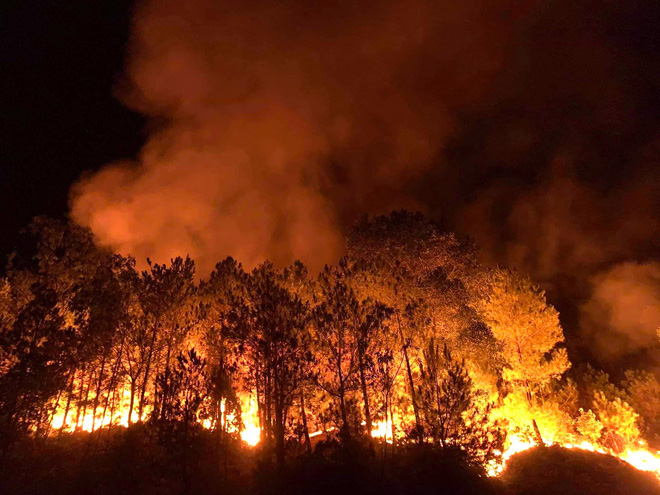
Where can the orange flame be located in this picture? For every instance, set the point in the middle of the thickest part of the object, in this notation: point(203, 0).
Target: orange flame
point(640, 458)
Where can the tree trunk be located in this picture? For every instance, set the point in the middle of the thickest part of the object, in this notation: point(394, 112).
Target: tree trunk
point(260, 408)
point(365, 396)
point(535, 426)
point(84, 411)
point(97, 392)
point(147, 370)
point(219, 423)
point(411, 383)
point(413, 395)
point(72, 375)
point(528, 393)
point(344, 417)
point(303, 414)
point(279, 432)
point(389, 401)
point(130, 407)
point(111, 386)
point(80, 395)
point(49, 424)
point(269, 413)
point(165, 391)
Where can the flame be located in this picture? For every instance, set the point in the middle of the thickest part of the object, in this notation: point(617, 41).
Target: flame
point(640, 458)
point(117, 414)
point(383, 430)
point(251, 433)
point(643, 459)
point(517, 443)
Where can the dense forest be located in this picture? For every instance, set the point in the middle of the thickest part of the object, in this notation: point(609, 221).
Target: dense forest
point(405, 345)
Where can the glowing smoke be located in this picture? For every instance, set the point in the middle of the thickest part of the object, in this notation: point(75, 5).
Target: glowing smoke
point(277, 122)
point(274, 124)
point(623, 313)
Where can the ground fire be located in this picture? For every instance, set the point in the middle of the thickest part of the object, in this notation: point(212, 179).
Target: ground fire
point(406, 341)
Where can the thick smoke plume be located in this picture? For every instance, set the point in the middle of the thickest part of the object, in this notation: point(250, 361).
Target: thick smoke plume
point(276, 123)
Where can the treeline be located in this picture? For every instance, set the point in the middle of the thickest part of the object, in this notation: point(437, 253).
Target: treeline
point(407, 339)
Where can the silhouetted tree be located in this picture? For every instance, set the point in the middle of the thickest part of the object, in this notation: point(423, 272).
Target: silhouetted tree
point(271, 324)
point(164, 293)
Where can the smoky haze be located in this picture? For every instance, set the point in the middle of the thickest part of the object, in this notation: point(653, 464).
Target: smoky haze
point(624, 309)
point(274, 125)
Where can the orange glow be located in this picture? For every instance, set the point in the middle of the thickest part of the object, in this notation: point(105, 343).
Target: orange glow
point(383, 430)
point(643, 459)
point(251, 433)
point(640, 457)
point(116, 416)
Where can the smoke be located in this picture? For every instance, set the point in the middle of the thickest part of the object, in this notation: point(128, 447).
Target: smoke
point(273, 125)
point(277, 123)
point(623, 313)
point(592, 251)
point(561, 230)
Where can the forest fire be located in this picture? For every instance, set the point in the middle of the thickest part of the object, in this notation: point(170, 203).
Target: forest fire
point(637, 455)
point(407, 343)
point(330, 248)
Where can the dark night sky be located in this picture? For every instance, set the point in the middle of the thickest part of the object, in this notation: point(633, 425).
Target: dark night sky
point(60, 62)
point(534, 128)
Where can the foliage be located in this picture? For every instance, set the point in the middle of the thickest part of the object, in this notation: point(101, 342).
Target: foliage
point(529, 332)
point(588, 426)
point(619, 422)
point(642, 392)
point(355, 359)
point(449, 402)
point(519, 316)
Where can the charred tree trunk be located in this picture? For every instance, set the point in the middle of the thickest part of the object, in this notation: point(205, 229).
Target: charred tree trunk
point(85, 401)
point(68, 401)
point(528, 393)
point(345, 433)
point(269, 410)
point(268, 396)
point(131, 403)
point(113, 378)
point(260, 408)
point(535, 426)
point(166, 388)
point(49, 424)
point(391, 422)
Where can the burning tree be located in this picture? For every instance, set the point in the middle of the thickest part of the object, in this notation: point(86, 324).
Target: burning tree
point(88, 342)
point(528, 329)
